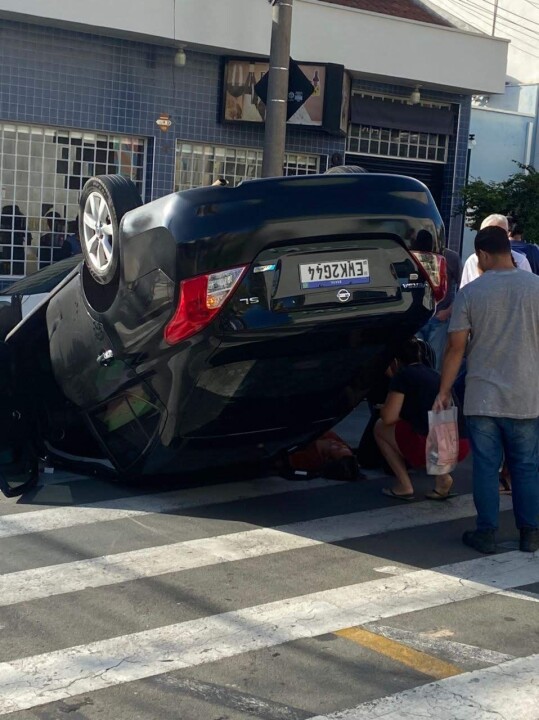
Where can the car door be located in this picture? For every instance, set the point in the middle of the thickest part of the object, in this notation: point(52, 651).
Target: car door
point(18, 449)
point(97, 375)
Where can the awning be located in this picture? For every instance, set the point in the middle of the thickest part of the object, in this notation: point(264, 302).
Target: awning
point(400, 116)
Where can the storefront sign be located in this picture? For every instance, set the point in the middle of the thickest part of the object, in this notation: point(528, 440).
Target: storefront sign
point(242, 103)
point(300, 90)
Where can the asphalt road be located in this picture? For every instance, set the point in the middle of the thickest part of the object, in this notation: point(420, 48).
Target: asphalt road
point(261, 599)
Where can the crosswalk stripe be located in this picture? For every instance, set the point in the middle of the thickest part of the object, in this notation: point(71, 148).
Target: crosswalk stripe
point(28, 682)
point(224, 696)
point(42, 520)
point(509, 690)
point(37, 583)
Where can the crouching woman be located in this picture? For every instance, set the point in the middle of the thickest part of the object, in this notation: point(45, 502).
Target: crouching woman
point(401, 432)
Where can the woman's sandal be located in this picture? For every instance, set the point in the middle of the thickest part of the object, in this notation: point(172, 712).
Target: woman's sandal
point(440, 497)
point(388, 492)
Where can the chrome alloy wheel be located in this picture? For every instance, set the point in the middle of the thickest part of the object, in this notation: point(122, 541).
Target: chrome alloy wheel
point(98, 232)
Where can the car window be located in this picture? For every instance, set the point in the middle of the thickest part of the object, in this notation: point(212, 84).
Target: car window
point(44, 280)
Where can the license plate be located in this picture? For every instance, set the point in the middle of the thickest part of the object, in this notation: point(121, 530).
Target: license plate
point(334, 273)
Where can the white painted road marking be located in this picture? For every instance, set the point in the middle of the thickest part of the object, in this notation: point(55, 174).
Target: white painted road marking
point(36, 521)
point(32, 681)
point(26, 585)
point(458, 653)
point(508, 691)
point(227, 697)
point(391, 570)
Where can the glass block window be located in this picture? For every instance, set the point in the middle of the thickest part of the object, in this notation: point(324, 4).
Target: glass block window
point(42, 172)
point(383, 142)
point(198, 165)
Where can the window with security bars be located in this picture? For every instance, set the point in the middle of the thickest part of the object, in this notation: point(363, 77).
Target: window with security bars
point(42, 172)
point(383, 142)
point(198, 165)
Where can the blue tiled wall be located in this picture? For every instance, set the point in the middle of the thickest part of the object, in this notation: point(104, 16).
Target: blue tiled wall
point(62, 78)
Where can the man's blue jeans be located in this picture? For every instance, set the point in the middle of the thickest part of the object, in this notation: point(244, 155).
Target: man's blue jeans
point(435, 333)
point(490, 438)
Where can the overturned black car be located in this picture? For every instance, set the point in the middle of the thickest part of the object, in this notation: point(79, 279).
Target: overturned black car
point(214, 324)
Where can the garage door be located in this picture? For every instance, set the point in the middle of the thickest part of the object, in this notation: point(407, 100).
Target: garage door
point(431, 174)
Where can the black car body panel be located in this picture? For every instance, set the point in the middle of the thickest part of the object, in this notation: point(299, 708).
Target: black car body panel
point(283, 360)
point(20, 298)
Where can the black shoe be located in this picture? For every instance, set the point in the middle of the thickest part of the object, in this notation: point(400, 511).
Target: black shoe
point(529, 539)
point(481, 540)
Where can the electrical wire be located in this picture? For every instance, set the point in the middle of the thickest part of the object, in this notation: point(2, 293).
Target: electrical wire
point(501, 9)
point(517, 43)
point(524, 32)
point(500, 20)
point(523, 36)
point(486, 17)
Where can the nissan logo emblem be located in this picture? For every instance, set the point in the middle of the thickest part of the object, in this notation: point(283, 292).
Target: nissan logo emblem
point(343, 295)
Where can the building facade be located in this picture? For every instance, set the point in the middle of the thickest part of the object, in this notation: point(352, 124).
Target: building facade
point(166, 98)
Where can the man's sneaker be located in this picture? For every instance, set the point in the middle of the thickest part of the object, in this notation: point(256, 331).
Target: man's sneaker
point(529, 539)
point(481, 540)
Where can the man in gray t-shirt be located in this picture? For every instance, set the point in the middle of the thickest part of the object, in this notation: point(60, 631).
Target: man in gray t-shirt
point(495, 321)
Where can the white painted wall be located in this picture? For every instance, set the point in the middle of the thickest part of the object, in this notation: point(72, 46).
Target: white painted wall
point(517, 20)
point(370, 44)
point(154, 18)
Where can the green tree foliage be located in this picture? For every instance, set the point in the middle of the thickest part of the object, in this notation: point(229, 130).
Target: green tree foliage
point(517, 197)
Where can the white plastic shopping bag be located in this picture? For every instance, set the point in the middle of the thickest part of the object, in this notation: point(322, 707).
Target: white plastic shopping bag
point(442, 441)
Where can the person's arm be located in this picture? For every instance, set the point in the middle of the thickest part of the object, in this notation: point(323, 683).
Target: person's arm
point(444, 314)
point(454, 352)
point(390, 410)
point(454, 277)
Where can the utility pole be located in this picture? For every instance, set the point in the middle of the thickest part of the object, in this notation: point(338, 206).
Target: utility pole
point(494, 18)
point(276, 106)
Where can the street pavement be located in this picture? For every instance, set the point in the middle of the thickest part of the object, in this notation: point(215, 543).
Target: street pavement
point(261, 598)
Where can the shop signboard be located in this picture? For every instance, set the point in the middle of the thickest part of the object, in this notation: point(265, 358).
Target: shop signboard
point(245, 81)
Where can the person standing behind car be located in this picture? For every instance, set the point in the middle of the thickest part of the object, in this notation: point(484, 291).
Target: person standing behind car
point(51, 242)
point(435, 331)
point(471, 268)
point(496, 321)
point(518, 244)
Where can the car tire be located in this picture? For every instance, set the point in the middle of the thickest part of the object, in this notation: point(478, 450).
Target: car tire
point(104, 201)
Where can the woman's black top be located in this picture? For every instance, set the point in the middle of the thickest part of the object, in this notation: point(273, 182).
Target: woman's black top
point(420, 385)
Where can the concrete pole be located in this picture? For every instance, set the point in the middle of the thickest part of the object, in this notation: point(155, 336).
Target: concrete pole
point(275, 131)
point(494, 17)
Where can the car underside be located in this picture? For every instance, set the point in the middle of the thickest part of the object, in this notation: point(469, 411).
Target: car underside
point(217, 324)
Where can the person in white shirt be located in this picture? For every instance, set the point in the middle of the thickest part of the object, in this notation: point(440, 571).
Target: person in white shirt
point(471, 269)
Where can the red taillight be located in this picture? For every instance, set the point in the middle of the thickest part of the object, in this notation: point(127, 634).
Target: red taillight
point(201, 298)
point(434, 268)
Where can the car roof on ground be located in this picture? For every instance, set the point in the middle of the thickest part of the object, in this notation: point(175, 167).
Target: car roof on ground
point(44, 280)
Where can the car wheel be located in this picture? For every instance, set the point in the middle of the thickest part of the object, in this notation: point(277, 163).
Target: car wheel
point(103, 203)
